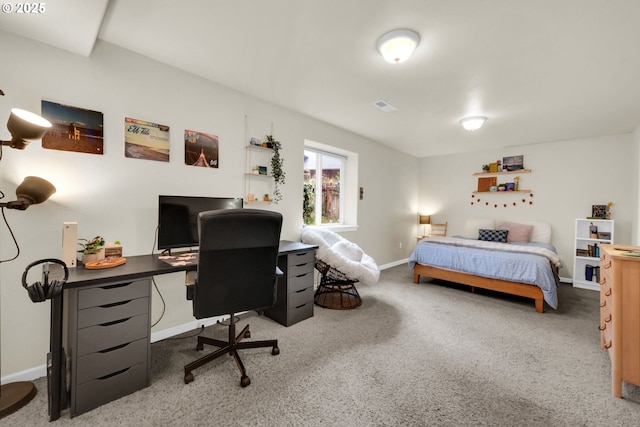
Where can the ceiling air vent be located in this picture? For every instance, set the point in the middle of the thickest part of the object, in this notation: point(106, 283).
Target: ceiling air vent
point(384, 106)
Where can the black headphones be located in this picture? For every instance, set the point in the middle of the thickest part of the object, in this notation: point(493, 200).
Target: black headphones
point(39, 292)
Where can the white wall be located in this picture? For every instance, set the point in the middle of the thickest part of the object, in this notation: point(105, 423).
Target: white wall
point(116, 197)
point(567, 178)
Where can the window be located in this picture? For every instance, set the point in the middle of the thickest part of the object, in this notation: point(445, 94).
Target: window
point(328, 182)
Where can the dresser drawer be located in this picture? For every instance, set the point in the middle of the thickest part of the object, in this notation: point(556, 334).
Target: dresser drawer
point(101, 364)
point(112, 312)
point(300, 297)
point(300, 282)
point(105, 336)
point(295, 315)
point(301, 258)
point(100, 391)
point(299, 270)
point(100, 296)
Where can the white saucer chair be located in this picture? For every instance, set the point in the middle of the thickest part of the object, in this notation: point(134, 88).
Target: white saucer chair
point(342, 264)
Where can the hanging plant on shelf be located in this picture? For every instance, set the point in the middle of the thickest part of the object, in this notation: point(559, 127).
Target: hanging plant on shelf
point(276, 167)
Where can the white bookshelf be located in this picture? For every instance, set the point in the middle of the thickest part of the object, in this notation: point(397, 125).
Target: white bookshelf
point(584, 240)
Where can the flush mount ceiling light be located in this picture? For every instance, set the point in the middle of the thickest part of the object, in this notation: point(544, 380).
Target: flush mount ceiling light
point(397, 46)
point(473, 123)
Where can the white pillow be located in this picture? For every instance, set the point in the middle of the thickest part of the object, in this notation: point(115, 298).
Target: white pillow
point(472, 226)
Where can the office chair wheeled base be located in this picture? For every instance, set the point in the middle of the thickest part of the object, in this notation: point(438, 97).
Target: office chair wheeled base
point(230, 347)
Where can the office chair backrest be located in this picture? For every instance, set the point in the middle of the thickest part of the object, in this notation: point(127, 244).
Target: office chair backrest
point(237, 261)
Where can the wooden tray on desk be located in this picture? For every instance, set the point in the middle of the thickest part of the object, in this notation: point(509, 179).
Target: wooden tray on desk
point(105, 263)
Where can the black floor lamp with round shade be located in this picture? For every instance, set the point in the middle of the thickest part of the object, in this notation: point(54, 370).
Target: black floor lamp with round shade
point(24, 127)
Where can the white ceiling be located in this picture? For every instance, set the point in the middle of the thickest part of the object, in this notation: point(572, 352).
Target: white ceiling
point(543, 70)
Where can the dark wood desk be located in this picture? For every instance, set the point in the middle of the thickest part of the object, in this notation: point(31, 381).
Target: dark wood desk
point(136, 268)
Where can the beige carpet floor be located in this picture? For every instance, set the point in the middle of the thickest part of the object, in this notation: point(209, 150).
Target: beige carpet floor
point(432, 354)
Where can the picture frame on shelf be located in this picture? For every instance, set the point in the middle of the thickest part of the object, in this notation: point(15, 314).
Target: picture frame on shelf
point(485, 184)
point(512, 163)
point(599, 211)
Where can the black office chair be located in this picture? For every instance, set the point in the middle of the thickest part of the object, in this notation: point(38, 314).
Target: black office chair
point(237, 271)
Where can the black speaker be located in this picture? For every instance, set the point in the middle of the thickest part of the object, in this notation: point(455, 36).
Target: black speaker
point(42, 291)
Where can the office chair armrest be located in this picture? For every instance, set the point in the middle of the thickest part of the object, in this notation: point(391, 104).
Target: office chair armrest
point(279, 273)
point(190, 283)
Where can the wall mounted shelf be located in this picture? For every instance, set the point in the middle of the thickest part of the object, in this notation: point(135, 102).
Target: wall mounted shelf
point(502, 192)
point(502, 173)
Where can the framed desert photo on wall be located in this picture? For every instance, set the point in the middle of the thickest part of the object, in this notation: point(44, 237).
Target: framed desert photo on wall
point(200, 149)
point(146, 140)
point(74, 129)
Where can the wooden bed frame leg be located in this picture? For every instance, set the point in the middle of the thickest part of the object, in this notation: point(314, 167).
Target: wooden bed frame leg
point(416, 277)
point(539, 305)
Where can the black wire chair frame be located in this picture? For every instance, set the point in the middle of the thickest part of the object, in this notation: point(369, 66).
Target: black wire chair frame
point(336, 290)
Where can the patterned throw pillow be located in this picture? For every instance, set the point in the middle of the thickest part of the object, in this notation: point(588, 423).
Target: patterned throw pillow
point(493, 235)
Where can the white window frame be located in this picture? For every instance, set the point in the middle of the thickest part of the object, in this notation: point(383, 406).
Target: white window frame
point(348, 187)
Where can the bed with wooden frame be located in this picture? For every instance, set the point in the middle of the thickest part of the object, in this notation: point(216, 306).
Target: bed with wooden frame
point(533, 232)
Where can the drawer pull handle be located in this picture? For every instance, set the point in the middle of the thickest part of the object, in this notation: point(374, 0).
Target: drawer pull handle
point(608, 345)
point(602, 327)
point(301, 291)
point(106, 377)
point(119, 285)
point(302, 305)
point(118, 347)
point(115, 304)
point(115, 322)
point(608, 292)
point(607, 265)
point(608, 318)
point(302, 275)
point(603, 281)
point(603, 303)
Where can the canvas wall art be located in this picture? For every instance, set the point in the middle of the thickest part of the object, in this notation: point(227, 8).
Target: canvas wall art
point(73, 128)
point(146, 140)
point(200, 149)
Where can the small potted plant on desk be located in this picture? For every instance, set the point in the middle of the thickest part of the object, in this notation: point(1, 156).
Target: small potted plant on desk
point(92, 250)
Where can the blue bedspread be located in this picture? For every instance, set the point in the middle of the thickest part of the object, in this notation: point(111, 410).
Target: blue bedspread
point(494, 263)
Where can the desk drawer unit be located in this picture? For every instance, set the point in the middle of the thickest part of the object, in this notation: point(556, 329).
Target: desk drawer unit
point(107, 342)
point(295, 288)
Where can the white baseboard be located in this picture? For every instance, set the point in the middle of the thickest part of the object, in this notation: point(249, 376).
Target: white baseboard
point(394, 263)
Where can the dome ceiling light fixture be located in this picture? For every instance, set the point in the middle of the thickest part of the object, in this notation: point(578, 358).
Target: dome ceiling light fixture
point(397, 46)
point(473, 123)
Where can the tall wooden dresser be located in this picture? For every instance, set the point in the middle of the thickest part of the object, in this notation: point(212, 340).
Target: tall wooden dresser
point(620, 313)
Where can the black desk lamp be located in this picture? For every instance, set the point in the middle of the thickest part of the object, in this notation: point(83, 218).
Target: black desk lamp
point(24, 127)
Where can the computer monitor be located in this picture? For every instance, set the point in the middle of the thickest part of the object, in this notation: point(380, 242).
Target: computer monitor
point(178, 218)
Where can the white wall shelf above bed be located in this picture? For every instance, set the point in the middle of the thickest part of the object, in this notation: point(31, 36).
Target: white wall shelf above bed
point(503, 192)
point(502, 173)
